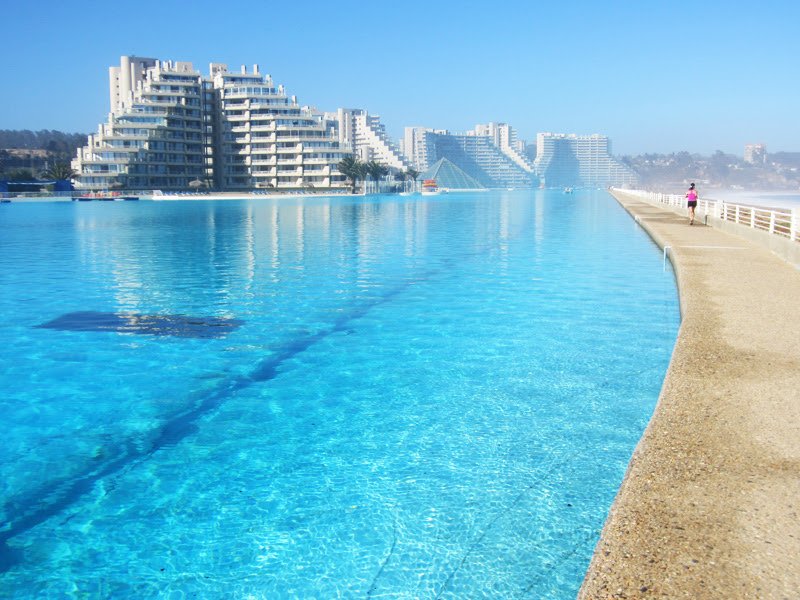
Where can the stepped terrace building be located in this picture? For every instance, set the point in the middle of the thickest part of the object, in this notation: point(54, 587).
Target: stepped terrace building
point(564, 160)
point(172, 129)
point(490, 154)
point(479, 157)
point(367, 136)
point(156, 135)
point(505, 137)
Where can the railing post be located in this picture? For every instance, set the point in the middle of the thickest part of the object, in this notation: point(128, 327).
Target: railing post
point(772, 221)
point(794, 225)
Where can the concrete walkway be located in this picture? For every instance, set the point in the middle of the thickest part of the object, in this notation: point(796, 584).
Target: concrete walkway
point(710, 506)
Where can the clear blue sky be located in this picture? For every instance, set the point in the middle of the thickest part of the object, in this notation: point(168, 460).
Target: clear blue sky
point(654, 76)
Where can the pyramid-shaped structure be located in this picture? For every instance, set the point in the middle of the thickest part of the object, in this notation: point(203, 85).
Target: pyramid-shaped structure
point(451, 177)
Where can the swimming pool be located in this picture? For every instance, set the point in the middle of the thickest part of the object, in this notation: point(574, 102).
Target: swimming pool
point(382, 397)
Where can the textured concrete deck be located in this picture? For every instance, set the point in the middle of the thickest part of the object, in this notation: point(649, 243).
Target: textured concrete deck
point(710, 506)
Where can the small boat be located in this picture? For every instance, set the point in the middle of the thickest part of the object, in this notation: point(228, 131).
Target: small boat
point(567, 190)
point(429, 187)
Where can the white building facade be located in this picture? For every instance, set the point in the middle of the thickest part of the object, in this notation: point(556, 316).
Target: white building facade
point(367, 137)
point(265, 139)
point(171, 128)
point(755, 154)
point(505, 137)
point(570, 160)
point(415, 148)
point(155, 136)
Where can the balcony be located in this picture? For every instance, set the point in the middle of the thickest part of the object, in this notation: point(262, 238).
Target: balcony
point(298, 172)
point(264, 172)
point(318, 172)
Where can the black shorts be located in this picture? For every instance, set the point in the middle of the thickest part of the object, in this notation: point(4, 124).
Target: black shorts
point(692, 203)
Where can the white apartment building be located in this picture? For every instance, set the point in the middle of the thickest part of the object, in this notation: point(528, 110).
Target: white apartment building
point(169, 127)
point(367, 137)
point(415, 147)
point(127, 77)
point(579, 161)
point(755, 154)
point(265, 139)
point(505, 137)
point(155, 136)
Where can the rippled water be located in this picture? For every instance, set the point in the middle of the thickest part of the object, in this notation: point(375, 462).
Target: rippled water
point(403, 398)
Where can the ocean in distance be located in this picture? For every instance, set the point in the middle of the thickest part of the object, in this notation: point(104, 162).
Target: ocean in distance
point(381, 396)
point(767, 199)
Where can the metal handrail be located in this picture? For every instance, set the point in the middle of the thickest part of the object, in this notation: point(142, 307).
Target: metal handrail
point(784, 222)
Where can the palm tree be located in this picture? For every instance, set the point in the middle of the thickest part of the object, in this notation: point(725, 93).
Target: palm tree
point(376, 170)
point(412, 173)
point(352, 169)
point(362, 173)
point(60, 170)
point(401, 177)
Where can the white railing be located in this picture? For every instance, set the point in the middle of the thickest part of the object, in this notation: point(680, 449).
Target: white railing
point(784, 222)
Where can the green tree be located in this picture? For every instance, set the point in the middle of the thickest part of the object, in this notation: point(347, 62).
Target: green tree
point(59, 170)
point(21, 175)
point(352, 169)
point(412, 174)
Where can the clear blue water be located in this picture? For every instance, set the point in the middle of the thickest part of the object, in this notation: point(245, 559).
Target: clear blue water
point(426, 398)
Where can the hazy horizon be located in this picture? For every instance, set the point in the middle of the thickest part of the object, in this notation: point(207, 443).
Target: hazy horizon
point(688, 77)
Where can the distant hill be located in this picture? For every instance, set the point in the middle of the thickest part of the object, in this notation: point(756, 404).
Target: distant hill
point(56, 142)
point(673, 172)
point(25, 153)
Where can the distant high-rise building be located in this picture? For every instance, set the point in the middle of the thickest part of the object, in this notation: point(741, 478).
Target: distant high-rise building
point(755, 154)
point(569, 160)
point(265, 139)
point(491, 153)
point(171, 128)
point(156, 135)
point(367, 137)
point(414, 148)
point(479, 157)
point(505, 137)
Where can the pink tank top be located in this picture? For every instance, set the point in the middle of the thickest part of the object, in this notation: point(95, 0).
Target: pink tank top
point(692, 195)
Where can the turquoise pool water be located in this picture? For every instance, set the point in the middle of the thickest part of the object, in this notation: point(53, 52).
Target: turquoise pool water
point(380, 397)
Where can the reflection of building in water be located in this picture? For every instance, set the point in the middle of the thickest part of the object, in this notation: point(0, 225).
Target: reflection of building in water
point(264, 260)
point(564, 160)
point(172, 128)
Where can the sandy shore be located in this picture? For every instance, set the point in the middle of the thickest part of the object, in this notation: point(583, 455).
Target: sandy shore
point(710, 506)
